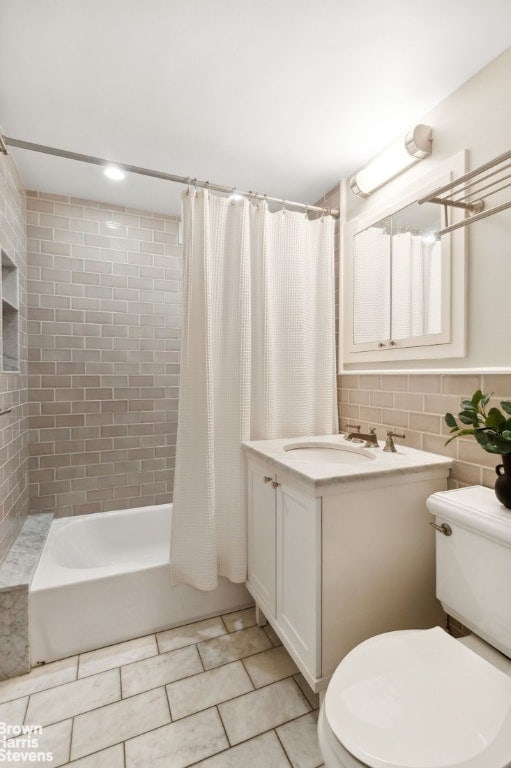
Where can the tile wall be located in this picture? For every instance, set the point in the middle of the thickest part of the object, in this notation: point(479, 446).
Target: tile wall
point(415, 404)
point(104, 301)
point(13, 385)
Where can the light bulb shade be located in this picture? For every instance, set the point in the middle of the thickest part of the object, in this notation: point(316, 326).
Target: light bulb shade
point(392, 161)
point(111, 172)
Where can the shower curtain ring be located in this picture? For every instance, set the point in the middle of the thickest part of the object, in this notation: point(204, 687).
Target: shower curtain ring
point(283, 209)
point(306, 210)
point(188, 185)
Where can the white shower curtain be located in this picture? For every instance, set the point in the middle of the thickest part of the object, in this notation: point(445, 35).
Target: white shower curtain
point(257, 361)
point(416, 282)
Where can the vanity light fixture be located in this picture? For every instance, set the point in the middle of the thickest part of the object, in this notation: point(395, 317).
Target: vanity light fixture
point(399, 156)
point(111, 172)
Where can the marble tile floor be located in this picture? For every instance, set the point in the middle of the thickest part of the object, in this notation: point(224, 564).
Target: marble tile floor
point(218, 693)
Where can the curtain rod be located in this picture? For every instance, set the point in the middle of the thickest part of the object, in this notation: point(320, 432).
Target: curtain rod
point(5, 140)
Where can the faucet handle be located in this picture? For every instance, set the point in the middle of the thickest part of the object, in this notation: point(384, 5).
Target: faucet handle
point(389, 444)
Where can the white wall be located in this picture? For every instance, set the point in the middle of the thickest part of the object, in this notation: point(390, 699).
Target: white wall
point(477, 117)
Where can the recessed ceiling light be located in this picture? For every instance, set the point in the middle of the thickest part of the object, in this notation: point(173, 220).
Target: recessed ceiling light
point(111, 172)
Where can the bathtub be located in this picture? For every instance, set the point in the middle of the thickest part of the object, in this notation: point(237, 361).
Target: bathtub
point(104, 578)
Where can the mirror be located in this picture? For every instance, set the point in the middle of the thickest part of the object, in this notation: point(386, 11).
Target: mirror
point(397, 278)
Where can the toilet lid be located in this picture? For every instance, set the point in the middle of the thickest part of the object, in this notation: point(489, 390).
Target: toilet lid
point(420, 699)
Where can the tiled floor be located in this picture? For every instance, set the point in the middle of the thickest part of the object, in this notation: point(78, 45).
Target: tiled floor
point(219, 693)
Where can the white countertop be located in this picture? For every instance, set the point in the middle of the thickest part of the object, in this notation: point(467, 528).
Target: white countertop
point(318, 473)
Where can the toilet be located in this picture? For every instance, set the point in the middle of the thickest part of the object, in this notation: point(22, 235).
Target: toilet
point(420, 698)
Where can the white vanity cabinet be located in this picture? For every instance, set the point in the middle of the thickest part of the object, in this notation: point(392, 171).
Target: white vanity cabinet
point(331, 565)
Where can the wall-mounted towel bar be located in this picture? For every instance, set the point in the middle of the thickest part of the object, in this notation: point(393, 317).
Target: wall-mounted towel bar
point(470, 192)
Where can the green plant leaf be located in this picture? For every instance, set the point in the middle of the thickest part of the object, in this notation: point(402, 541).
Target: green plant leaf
point(492, 449)
point(502, 445)
point(459, 434)
point(492, 430)
point(485, 400)
point(466, 417)
point(483, 438)
point(495, 419)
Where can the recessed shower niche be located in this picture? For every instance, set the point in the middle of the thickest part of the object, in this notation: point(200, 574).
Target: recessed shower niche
point(10, 315)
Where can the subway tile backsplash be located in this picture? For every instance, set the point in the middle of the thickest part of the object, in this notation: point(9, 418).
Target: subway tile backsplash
point(104, 295)
point(416, 404)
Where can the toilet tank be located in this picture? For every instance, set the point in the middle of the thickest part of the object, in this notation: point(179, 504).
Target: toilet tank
point(473, 564)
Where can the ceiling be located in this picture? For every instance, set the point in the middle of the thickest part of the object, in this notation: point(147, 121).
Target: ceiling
point(284, 97)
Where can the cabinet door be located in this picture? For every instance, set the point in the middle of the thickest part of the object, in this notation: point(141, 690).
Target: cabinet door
point(299, 574)
point(261, 538)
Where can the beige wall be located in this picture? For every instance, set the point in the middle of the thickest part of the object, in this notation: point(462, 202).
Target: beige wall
point(104, 339)
point(13, 386)
point(476, 117)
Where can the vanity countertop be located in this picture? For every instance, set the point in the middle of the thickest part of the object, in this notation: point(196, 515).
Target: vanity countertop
point(318, 472)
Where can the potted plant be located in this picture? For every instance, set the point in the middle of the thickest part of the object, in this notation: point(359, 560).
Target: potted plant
point(492, 430)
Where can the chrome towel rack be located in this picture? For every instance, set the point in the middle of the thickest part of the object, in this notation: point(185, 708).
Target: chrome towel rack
point(470, 192)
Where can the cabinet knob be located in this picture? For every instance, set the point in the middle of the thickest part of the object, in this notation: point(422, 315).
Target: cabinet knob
point(275, 484)
point(267, 479)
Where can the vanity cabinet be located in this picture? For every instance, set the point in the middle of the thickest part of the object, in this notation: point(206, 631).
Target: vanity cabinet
point(284, 560)
point(330, 566)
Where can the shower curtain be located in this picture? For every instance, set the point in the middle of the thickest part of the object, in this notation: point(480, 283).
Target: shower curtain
point(257, 361)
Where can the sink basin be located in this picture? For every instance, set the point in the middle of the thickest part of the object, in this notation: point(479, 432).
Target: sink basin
point(328, 453)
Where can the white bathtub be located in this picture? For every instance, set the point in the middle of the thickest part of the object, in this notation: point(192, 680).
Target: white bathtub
point(105, 578)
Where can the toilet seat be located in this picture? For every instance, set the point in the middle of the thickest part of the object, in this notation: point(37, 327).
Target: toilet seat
point(420, 699)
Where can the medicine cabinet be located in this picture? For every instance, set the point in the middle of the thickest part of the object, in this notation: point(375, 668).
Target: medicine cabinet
point(402, 286)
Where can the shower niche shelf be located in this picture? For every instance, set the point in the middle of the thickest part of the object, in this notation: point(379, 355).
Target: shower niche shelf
point(10, 315)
